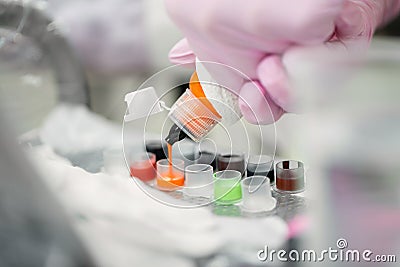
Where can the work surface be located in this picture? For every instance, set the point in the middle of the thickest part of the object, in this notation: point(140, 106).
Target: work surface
point(122, 226)
point(116, 219)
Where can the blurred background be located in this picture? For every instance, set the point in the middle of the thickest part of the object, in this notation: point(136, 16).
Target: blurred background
point(92, 53)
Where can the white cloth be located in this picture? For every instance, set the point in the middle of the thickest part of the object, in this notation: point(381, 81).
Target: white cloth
point(73, 129)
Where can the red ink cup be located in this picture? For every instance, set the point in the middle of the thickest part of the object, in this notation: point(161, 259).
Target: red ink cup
point(289, 177)
point(143, 166)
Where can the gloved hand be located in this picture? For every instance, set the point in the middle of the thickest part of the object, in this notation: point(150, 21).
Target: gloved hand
point(254, 36)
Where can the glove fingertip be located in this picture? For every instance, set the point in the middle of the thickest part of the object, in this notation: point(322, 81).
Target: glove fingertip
point(182, 54)
point(256, 105)
point(272, 75)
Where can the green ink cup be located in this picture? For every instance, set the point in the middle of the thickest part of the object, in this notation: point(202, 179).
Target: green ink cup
point(227, 187)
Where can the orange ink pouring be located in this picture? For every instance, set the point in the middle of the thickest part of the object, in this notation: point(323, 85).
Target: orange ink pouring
point(193, 114)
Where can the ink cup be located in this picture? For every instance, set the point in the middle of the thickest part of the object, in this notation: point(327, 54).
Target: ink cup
point(227, 188)
point(186, 150)
point(143, 166)
point(207, 157)
point(261, 165)
point(289, 177)
point(194, 115)
point(232, 162)
point(199, 181)
point(157, 148)
point(257, 197)
point(170, 177)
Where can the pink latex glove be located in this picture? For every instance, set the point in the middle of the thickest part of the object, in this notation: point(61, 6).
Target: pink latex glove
point(253, 37)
